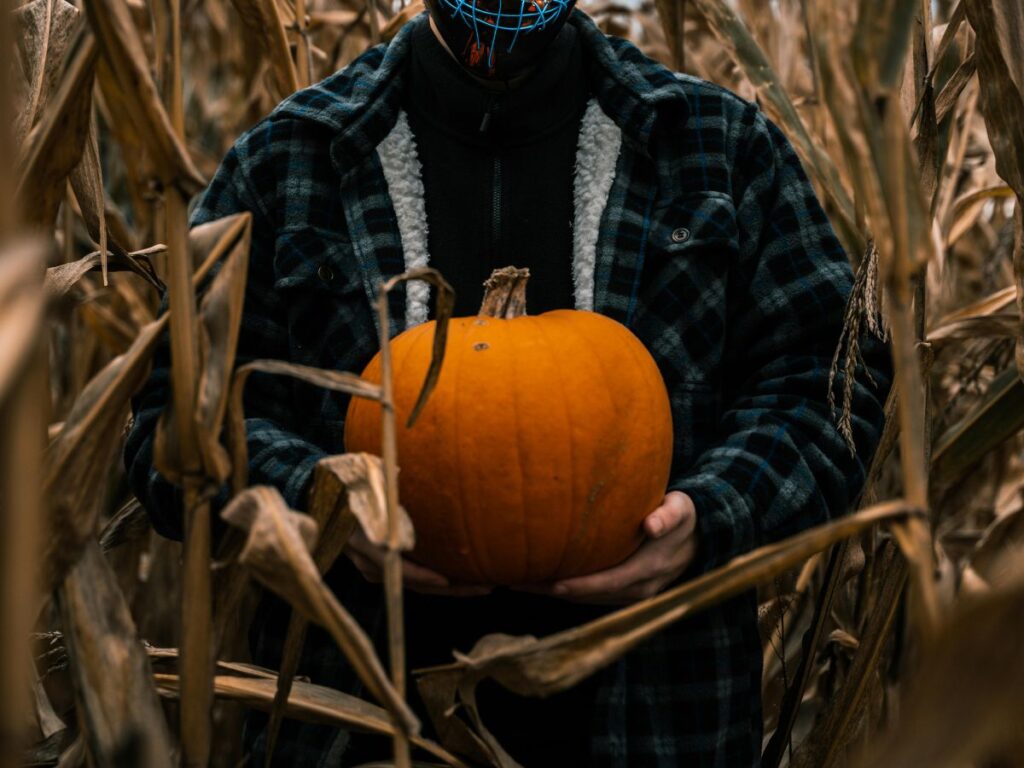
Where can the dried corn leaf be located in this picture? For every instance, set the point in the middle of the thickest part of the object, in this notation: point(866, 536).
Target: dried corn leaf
point(337, 381)
point(261, 20)
point(335, 17)
point(998, 560)
point(996, 417)
point(672, 14)
point(776, 748)
point(80, 457)
point(968, 208)
point(1003, 324)
point(880, 42)
point(834, 731)
point(23, 416)
point(972, 198)
point(863, 101)
point(360, 476)
point(211, 242)
point(989, 305)
point(987, 317)
point(54, 147)
point(953, 89)
point(121, 717)
point(965, 705)
point(348, 490)
point(421, 278)
point(87, 184)
point(308, 702)
point(999, 25)
point(439, 692)
point(533, 667)
point(277, 549)
point(164, 659)
point(45, 30)
point(62, 278)
point(444, 305)
point(116, 108)
point(119, 42)
point(22, 303)
point(949, 33)
point(130, 523)
point(400, 19)
point(220, 315)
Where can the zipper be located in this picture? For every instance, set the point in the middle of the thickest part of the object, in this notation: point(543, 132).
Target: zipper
point(496, 205)
point(485, 127)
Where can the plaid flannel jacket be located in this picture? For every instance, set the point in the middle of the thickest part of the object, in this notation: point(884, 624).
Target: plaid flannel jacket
point(712, 248)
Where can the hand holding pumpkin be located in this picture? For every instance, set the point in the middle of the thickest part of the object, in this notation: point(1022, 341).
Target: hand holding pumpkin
point(368, 558)
point(545, 443)
point(668, 550)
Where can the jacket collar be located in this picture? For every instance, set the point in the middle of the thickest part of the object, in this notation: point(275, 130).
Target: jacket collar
point(361, 103)
point(634, 91)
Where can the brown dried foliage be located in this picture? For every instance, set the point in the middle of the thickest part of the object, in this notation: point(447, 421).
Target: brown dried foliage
point(910, 126)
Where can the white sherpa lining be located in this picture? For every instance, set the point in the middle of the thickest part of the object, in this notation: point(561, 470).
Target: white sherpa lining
point(596, 158)
point(597, 155)
point(403, 173)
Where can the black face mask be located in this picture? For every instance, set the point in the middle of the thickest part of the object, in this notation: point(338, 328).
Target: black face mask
point(499, 39)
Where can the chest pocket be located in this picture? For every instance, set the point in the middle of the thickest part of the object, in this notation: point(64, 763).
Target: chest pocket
point(311, 259)
point(702, 222)
point(330, 325)
point(692, 244)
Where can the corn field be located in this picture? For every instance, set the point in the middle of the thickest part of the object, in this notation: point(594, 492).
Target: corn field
point(892, 636)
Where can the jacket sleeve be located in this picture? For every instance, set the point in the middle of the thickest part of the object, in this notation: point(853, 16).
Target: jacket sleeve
point(778, 464)
point(278, 454)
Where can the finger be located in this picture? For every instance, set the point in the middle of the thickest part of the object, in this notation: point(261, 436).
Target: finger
point(370, 570)
point(634, 593)
point(370, 558)
point(358, 542)
point(418, 575)
point(461, 590)
point(608, 582)
point(675, 510)
point(533, 589)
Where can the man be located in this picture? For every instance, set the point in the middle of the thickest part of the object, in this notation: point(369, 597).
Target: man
point(486, 136)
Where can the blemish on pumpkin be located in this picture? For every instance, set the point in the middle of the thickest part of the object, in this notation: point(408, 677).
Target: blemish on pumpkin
point(480, 321)
point(480, 347)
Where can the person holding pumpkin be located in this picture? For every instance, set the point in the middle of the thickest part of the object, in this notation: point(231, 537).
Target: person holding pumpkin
point(496, 132)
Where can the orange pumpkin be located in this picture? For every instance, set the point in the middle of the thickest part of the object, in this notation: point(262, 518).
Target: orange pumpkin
point(546, 442)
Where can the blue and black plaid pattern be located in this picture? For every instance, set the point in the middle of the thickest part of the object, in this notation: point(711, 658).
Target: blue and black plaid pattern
point(713, 249)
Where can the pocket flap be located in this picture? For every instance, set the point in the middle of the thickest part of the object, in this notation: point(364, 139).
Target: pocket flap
point(311, 258)
point(704, 218)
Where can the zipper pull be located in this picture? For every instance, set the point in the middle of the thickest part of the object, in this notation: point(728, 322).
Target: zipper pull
point(485, 123)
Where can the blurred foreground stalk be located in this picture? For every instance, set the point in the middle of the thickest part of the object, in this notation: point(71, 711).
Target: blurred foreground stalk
point(23, 416)
point(196, 618)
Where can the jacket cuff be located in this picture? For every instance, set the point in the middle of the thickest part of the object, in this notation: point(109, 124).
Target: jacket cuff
point(296, 490)
point(725, 523)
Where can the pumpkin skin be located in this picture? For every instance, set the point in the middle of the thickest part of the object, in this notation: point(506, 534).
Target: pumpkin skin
point(546, 442)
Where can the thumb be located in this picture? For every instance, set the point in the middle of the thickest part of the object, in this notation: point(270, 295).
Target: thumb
point(675, 509)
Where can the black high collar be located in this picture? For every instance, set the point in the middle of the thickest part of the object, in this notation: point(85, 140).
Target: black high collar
point(450, 100)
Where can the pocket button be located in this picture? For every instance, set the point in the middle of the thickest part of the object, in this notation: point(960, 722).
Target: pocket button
point(680, 235)
point(325, 273)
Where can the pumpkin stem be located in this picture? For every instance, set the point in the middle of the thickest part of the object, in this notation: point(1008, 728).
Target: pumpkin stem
point(505, 293)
